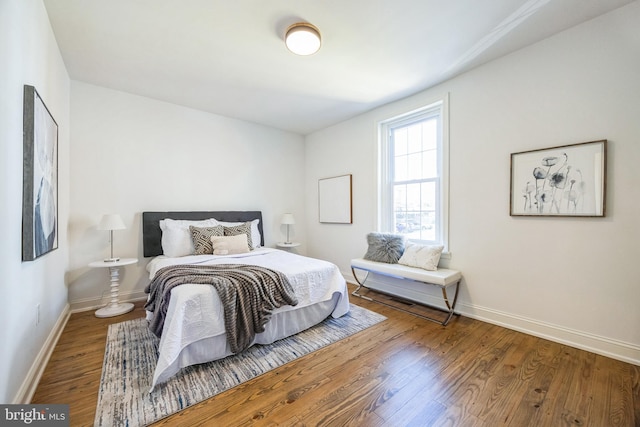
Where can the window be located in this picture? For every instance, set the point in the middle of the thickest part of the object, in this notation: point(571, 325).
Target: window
point(414, 175)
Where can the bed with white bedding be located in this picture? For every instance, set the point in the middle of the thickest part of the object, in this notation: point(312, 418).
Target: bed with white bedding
point(194, 329)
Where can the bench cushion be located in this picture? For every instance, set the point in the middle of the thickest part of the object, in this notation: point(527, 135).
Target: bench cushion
point(441, 276)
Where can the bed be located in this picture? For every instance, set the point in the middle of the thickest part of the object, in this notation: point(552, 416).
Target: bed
point(193, 331)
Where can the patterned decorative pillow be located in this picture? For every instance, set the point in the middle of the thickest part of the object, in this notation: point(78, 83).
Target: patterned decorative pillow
point(421, 256)
point(201, 237)
point(384, 247)
point(256, 238)
point(240, 229)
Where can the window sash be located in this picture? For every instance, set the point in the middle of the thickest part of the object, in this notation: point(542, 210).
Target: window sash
point(387, 209)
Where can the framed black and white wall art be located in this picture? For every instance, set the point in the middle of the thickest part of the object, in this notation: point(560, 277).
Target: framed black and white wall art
point(40, 178)
point(568, 180)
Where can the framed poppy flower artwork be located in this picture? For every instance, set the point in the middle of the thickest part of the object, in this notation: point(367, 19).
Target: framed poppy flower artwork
point(568, 180)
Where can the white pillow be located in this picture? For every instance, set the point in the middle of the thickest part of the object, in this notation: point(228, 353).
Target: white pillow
point(255, 233)
point(421, 256)
point(176, 238)
point(230, 245)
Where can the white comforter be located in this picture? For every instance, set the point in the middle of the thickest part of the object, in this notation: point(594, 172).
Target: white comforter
point(194, 327)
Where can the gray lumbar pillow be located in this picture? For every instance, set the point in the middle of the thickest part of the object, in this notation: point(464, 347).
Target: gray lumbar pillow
point(384, 247)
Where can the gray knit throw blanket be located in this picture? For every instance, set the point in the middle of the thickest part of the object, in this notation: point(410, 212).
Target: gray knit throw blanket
point(248, 293)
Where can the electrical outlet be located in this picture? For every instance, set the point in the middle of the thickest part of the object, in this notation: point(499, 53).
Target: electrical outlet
point(37, 314)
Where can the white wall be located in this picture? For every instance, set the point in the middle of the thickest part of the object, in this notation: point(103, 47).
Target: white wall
point(572, 280)
point(131, 154)
point(28, 55)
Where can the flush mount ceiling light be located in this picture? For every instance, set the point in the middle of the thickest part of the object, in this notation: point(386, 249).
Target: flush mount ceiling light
point(302, 39)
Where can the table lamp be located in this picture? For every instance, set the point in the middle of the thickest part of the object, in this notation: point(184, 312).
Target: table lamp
point(288, 220)
point(111, 222)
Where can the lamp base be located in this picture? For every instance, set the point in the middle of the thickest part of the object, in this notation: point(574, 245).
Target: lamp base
point(111, 259)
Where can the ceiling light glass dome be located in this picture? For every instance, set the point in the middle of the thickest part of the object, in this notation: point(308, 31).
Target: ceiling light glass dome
point(302, 39)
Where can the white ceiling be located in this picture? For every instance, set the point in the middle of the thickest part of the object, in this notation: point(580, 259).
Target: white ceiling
point(228, 57)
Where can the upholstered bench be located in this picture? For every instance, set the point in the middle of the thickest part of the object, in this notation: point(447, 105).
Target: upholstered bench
point(442, 278)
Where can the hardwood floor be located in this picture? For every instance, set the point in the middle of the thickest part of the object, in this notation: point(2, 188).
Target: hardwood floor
point(405, 371)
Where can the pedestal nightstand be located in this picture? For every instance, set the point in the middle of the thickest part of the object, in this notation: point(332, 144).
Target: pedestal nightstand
point(114, 308)
point(287, 245)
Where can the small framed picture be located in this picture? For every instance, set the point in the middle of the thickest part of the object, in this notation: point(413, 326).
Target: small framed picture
point(334, 200)
point(569, 180)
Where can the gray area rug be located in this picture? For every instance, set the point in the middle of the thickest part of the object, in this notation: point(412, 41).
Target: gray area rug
point(131, 354)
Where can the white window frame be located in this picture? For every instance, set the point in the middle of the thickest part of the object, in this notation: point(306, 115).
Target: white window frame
point(385, 184)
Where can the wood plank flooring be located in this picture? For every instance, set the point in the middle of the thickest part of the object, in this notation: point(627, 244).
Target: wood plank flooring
point(405, 371)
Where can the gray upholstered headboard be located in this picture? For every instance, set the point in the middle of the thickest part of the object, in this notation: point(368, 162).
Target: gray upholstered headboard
point(152, 234)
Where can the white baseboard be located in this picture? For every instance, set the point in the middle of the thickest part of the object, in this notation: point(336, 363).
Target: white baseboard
point(597, 344)
point(94, 303)
point(30, 383)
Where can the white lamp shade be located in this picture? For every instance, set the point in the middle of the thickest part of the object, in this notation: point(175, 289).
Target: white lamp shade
point(302, 39)
point(288, 219)
point(111, 222)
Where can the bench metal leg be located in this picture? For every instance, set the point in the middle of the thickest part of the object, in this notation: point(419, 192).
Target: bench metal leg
point(450, 306)
point(453, 304)
point(360, 284)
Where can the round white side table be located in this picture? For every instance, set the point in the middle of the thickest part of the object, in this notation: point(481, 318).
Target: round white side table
point(287, 245)
point(114, 308)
